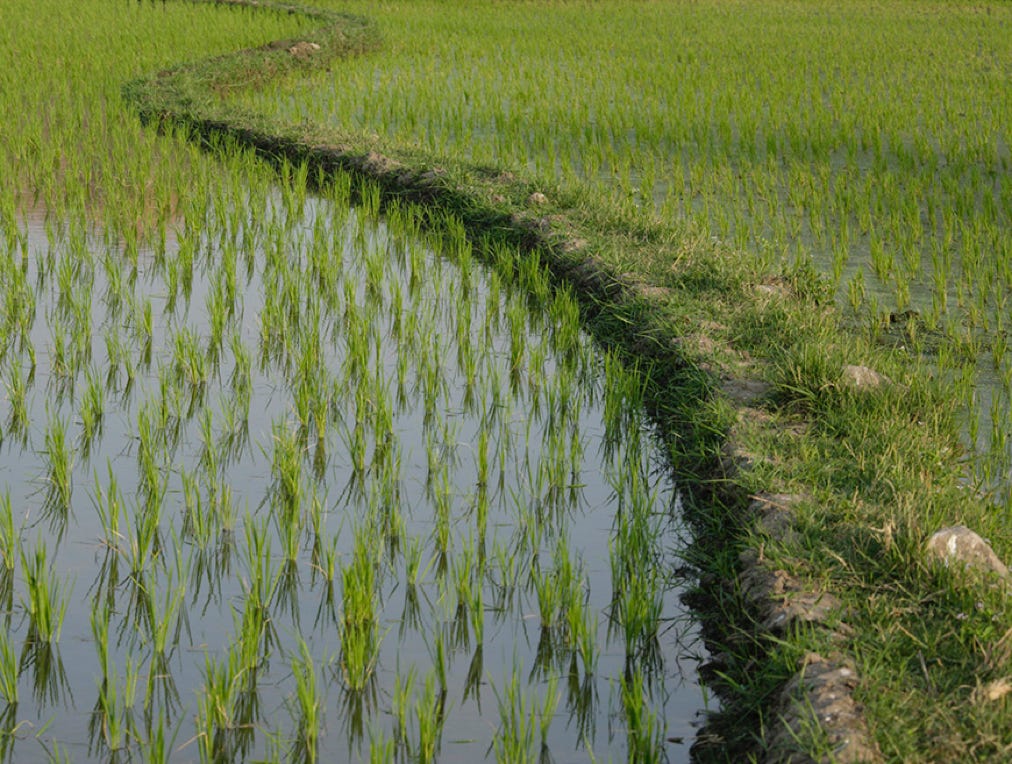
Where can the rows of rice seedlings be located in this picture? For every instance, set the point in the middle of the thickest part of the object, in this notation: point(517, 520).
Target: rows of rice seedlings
point(869, 139)
point(298, 485)
point(78, 165)
point(66, 141)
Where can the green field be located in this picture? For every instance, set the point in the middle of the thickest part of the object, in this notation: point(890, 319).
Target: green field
point(302, 464)
point(268, 493)
point(869, 139)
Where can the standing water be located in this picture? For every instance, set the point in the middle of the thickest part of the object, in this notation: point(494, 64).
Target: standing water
point(299, 484)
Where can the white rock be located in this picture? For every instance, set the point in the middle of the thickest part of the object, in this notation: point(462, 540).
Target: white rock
point(959, 546)
point(863, 377)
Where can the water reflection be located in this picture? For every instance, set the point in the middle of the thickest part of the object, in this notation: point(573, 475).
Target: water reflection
point(306, 432)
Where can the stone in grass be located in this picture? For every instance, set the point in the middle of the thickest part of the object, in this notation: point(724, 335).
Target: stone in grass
point(379, 164)
point(863, 377)
point(958, 546)
point(992, 691)
point(821, 696)
point(780, 600)
point(304, 49)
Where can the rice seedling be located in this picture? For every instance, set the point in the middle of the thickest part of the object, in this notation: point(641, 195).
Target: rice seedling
point(550, 595)
point(545, 714)
point(209, 460)
point(636, 580)
point(46, 597)
point(644, 731)
point(260, 588)
point(60, 470)
point(381, 750)
point(639, 609)
point(198, 525)
point(581, 623)
point(10, 542)
point(476, 610)
point(156, 746)
point(309, 705)
point(327, 606)
point(430, 713)
point(150, 442)
point(112, 720)
point(287, 472)
point(59, 361)
point(91, 410)
point(514, 739)
point(9, 671)
point(221, 731)
point(437, 649)
point(411, 612)
point(17, 389)
point(467, 576)
point(142, 546)
point(234, 439)
point(222, 507)
point(240, 379)
point(399, 704)
point(190, 361)
point(168, 619)
point(507, 571)
point(360, 636)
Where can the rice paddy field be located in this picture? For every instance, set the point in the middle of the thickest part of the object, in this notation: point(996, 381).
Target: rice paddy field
point(288, 502)
point(294, 471)
point(871, 140)
point(285, 481)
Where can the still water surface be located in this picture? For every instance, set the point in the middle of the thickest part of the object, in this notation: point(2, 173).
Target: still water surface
point(327, 382)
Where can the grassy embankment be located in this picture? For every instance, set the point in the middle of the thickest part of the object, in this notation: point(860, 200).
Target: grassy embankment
point(877, 470)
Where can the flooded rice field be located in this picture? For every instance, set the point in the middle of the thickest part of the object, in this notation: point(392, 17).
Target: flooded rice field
point(299, 483)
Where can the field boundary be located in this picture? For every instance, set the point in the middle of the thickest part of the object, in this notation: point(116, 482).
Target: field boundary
point(786, 636)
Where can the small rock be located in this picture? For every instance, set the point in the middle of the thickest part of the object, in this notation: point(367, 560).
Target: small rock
point(537, 198)
point(379, 164)
point(959, 546)
point(303, 49)
point(821, 693)
point(774, 513)
point(772, 290)
point(992, 691)
point(862, 377)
